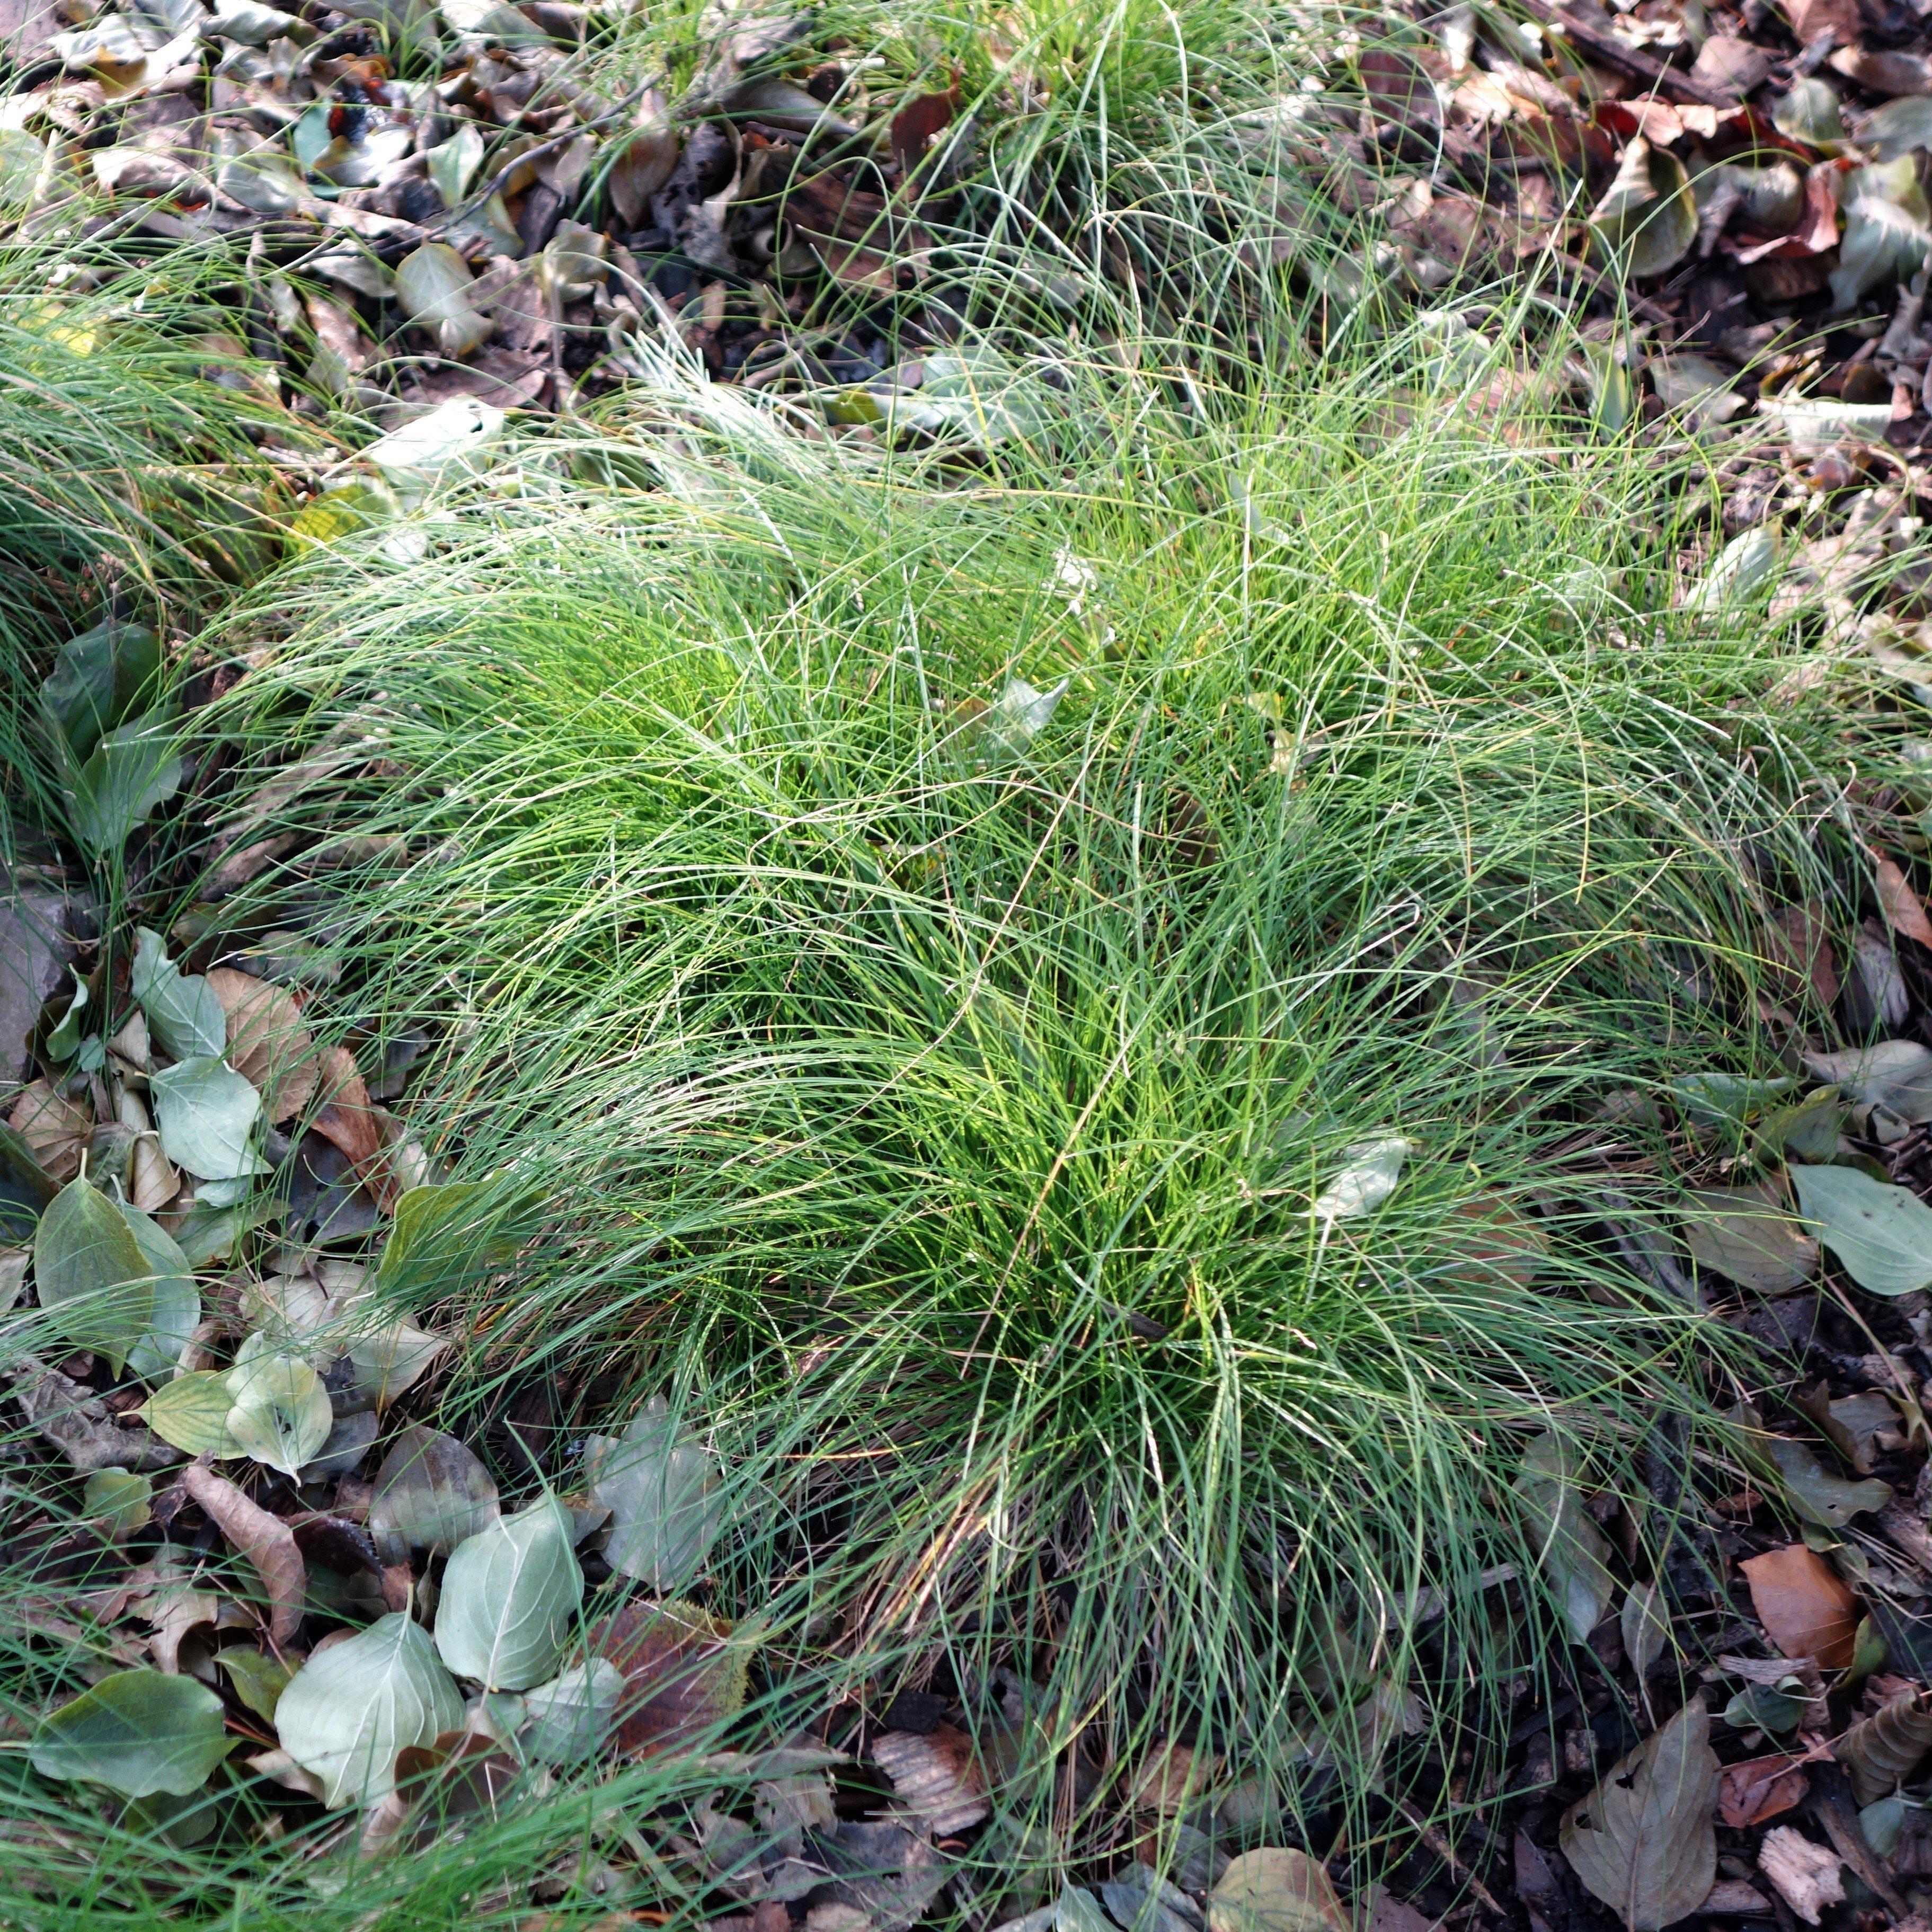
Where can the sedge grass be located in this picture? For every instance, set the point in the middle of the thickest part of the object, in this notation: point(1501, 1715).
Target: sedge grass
point(936, 1112)
point(936, 1116)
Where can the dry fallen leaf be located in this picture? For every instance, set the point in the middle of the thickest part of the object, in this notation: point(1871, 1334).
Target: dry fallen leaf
point(267, 1045)
point(685, 1672)
point(1807, 1608)
point(265, 1541)
point(1903, 909)
point(935, 1776)
point(1644, 1841)
point(1806, 1875)
point(1272, 1890)
point(54, 1127)
point(1761, 1788)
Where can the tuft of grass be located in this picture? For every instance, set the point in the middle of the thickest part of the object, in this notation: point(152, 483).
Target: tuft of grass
point(938, 1113)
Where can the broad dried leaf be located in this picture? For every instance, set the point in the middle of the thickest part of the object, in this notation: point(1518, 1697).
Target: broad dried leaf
point(1807, 1608)
point(1761, 1788)
point(1817, 1496)
point(1904, 910)
point(1644, 1841)
point(1882, 1234)
point(430, 1493)
point(1368, 1180)
point(510, 1599)
point(262, 1539)
point(1272, 1890)
point(1740, 1232)
point(267, 1043)
point(352, 1707)
point(1894, 1074)
point(685, 1673)
point(433, 285)
point(1569, 1545)
point(1648, 220)
point(1884, 1750)
point(936, 1776)
point(139, 1732)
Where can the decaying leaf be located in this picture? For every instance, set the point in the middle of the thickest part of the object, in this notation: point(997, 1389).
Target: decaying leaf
point(936, 1776)
point(433, 285)
point(1741, 1232)
point(510, 1598)
point(1762, 1788)
point(281, 1414)
point(1817, 1496)
point(685, 1673)
point(267, 1044)
point(658, 1484)
point(1648, 220)
point(263, 1540)
point(1274, 1890)
point(1884, 1750)
point(352, 1706)
point(431, 1493)
point(139, 1732)
point(1644, 1841)
point(1369, 1178)
point(1807, 1608)
point(1569, 1545)
point(1894, 1074)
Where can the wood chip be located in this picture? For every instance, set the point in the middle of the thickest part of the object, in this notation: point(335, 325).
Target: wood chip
point(1807, 1876)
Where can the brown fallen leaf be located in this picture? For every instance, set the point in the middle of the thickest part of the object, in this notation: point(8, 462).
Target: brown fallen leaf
point(936, 1776)
point(1806, 1875)
point(265, 1541)
point(1798, 940)
point(56, 1129)
point(686, 1673)
point(1807, 1608)
point(1761, 1788)
point(1903, 909)
point(346, 1119)
point(267, 1045)
point(1735, 1898)
point(1272, 1890)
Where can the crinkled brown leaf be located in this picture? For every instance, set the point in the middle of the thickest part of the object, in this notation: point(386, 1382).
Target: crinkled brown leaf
point(1881, 1753)
point(267, 1043)
point(936, 1776)
point(685, 1672)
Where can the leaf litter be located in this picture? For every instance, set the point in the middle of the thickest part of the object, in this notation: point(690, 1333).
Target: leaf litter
point(1754, 187)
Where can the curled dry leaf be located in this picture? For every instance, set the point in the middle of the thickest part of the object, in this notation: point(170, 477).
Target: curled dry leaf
point(1644, 1841)
point(1742, 1233)
point(1881, 1753)
point(1644, 1627)
point(265, 1541)
point(1807, 1608)
point(936, 1776)
point(1904, 909)
point(56, 1130)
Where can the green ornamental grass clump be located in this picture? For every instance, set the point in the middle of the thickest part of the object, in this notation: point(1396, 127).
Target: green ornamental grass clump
point(1069, 1021)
